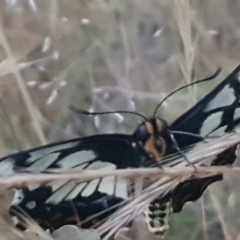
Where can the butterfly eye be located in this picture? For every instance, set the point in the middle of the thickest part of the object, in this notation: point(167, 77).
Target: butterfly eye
point(142, 133)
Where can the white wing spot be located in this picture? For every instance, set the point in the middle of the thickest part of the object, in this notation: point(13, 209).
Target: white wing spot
point(100, 165)
point(35, 155)
point(76, 158)
point(210, 123)
point(76, 191)
point(219, 132)
point(236, 114)
point(18, 197)
point(60, 194)
point(31, 205)
point(81, 167)
point(134, 145)
point(90, 188)
point(122, 188)
point(6, 167)
point(107, 185)
point(224, 98)
point(44, 162)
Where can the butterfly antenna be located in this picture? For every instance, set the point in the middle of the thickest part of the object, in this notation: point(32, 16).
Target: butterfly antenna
point(185, 86)
point(84, 112)
point(180, 151)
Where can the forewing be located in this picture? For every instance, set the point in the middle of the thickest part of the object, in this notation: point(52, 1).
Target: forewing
point(100, 152)
point(216, 113)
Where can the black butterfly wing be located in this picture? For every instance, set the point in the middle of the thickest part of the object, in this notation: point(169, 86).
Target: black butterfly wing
point(116, 149)
point(109, 151)
point(217, 112)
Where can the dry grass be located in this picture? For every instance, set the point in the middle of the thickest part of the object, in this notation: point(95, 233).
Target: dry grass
point(108, 55)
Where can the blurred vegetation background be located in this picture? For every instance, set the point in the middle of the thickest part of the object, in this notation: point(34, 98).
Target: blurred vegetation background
point(116, 55)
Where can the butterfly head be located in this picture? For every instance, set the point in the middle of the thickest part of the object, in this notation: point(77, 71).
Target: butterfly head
point(154, 136)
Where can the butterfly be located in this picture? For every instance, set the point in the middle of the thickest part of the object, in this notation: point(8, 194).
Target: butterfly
point(153, 139)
